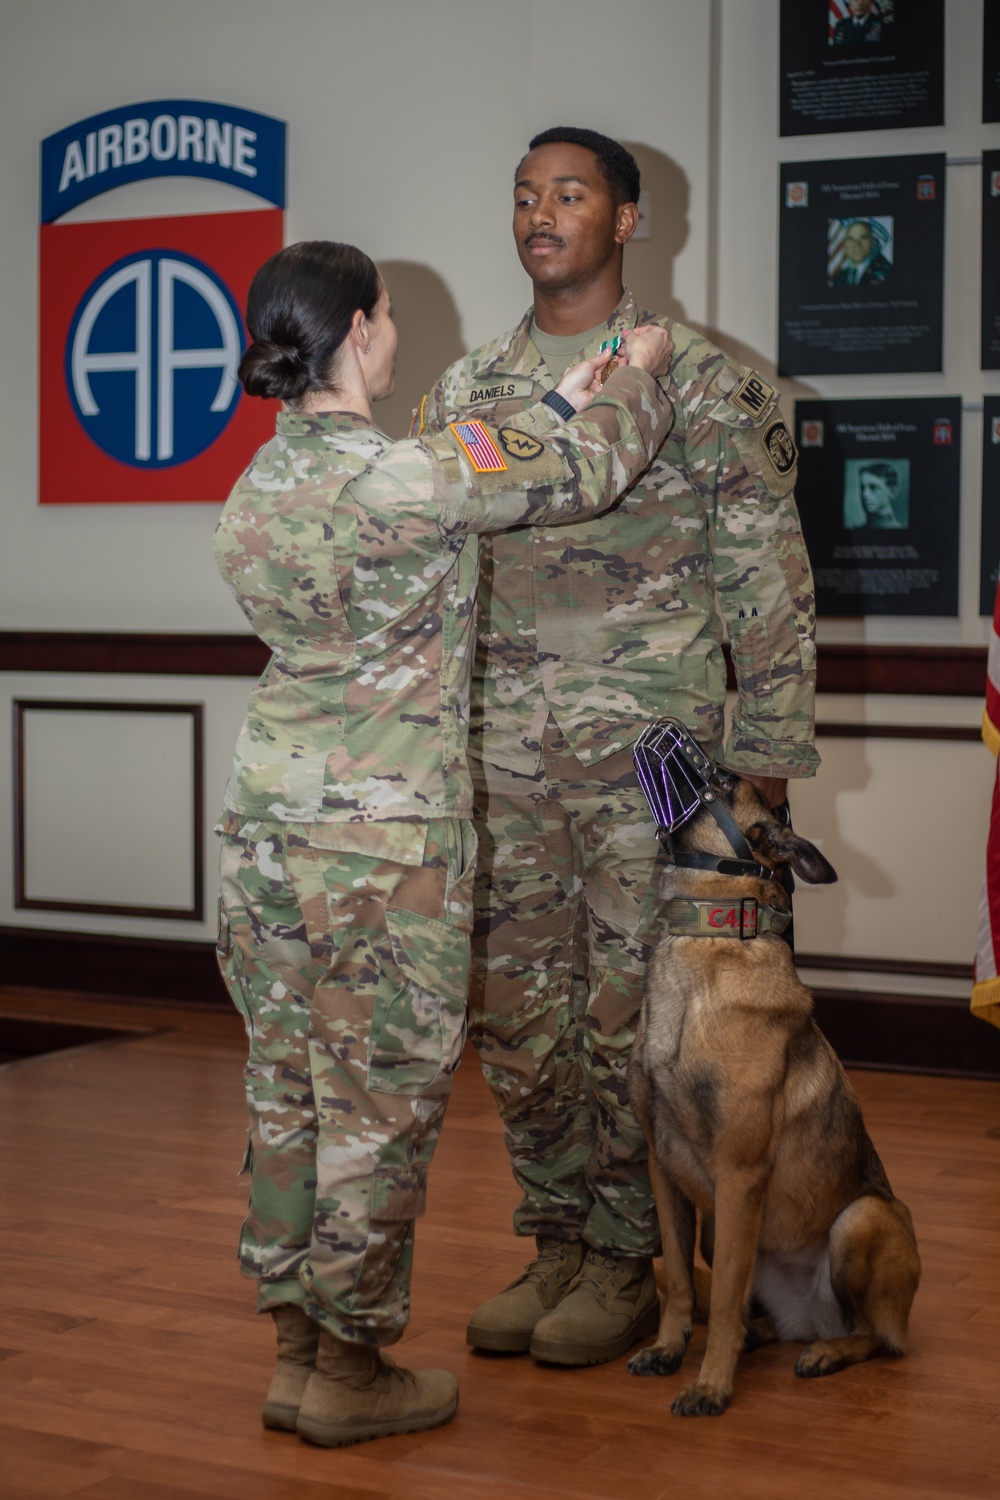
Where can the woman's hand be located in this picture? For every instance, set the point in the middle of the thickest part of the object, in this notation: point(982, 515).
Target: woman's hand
point(649, 347)
point(580, 384)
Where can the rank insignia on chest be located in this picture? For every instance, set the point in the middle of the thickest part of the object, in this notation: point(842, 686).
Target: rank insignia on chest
point(484, 454)
point(519, 444)
point(780, 447)
point(752, 394)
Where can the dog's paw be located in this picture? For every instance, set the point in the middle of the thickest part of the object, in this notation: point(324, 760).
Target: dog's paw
point(701, 1401)
point(654, 1361)
point(818, 1359)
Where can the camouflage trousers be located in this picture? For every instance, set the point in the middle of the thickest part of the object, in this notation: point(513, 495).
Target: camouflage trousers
point(349, 966)
point(565, 913)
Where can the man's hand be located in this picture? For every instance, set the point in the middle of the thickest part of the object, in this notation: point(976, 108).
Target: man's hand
point(649, 347)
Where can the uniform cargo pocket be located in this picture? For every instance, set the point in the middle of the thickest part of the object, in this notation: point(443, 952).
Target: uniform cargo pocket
point(230, 962)
point(418, 1027)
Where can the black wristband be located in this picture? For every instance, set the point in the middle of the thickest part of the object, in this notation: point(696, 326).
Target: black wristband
point(559, 405)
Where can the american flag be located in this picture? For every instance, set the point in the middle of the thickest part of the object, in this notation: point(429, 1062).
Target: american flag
point(835, 231)
point(986, 984)
point(475, 439)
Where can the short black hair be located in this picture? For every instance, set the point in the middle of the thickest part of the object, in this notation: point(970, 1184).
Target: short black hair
point(619, 167)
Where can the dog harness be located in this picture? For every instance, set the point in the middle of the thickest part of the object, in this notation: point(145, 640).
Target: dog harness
point(689, 916)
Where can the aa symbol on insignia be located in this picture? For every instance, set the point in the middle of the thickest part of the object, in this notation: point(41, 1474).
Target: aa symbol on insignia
point(780, 448)
point(519, 444)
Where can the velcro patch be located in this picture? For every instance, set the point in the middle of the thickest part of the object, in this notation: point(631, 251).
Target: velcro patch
point(483, 452)
point(494, 388)
point(418, 423)
point(753, 394)
point(780, 448)
point(519, 445)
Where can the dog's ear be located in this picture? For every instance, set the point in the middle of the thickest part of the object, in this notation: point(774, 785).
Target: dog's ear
point(775, 843)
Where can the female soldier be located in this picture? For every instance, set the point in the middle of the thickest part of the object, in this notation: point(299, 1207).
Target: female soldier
point(347, 850)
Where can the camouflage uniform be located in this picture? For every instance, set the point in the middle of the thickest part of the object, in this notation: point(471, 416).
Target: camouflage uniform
point(585, 636)
point(347, 851)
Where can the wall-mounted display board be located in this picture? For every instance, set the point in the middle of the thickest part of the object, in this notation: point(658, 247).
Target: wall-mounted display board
point(140, 320)
point(861, 65)
point(878, 492)
point(861, 267)
point(989, 533)
point(990, 357)
point(991, 64)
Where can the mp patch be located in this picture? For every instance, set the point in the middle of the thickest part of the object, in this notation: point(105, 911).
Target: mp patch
point(752, 394)
point(519, 444)
point(484, 454)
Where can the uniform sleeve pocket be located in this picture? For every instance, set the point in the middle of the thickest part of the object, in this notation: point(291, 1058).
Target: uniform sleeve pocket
point(418, 1027)
point(751, 657)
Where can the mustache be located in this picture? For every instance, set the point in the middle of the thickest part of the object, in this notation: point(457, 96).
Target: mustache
point(540, 235)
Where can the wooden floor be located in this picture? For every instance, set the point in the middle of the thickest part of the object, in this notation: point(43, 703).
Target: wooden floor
point(132, 1366)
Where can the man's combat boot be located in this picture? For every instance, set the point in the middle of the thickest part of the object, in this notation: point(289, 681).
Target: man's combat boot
point(507, 1322)
point(612, 1303)
point(297, 1340)
point(356, 1392)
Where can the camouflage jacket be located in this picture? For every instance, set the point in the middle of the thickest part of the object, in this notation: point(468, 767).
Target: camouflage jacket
point(351, 556)
point(607, 625)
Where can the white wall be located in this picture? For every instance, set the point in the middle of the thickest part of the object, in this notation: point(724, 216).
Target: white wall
point(406, 120)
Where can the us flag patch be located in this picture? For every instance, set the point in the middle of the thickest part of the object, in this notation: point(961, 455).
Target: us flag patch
point(484, 453)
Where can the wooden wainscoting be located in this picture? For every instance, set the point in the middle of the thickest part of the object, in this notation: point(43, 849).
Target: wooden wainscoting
point(868, 1028)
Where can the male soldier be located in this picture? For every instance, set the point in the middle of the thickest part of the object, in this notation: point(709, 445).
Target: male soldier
point(863, 263)
point(585, 637)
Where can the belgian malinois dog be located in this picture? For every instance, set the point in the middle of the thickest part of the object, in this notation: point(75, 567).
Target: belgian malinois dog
point(752, 1123)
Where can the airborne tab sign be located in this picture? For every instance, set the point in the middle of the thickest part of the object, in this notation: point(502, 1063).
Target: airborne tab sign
point(141, 329)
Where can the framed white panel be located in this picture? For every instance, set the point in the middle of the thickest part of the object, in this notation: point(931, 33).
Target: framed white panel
point(904, 821)
point(108, 800)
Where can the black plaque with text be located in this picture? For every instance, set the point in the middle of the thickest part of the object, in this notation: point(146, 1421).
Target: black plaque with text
point(989, 531)
point(861, 65)
point(861, 273)
point(990, 352)
point(878, 492)
point(991, 63)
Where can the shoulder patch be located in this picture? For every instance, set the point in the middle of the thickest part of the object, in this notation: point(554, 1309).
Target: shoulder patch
point(417, 423)
point(484, 455)
point(753, 394)
point(520, 445)
point(780, 448)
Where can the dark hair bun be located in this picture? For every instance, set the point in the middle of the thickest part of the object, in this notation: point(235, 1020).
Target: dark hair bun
point(273, 370)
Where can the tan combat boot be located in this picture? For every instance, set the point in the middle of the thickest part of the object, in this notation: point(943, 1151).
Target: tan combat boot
point(297, 1340)
point(507, 1322)
point(357, 1392)
point(612, 1303)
